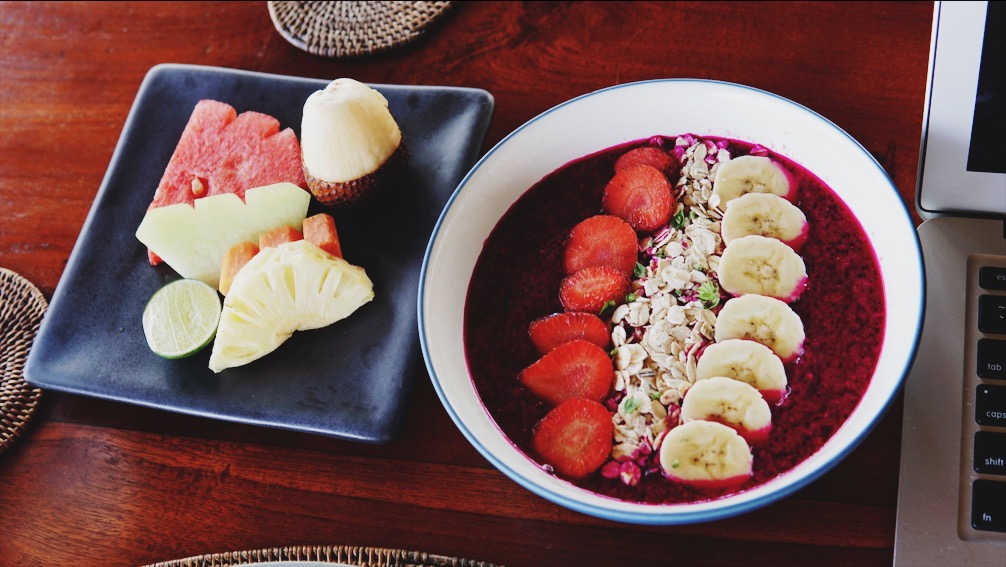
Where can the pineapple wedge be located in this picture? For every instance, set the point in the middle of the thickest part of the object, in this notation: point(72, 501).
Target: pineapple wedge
point(293, 287)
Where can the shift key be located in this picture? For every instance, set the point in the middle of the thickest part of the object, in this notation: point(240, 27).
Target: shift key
point(990, 453)
point(990, 405)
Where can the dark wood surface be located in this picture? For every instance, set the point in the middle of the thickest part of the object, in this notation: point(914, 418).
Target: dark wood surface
point(97, 483)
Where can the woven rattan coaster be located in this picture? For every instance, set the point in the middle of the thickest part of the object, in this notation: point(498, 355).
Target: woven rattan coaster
point(347, 29)
point(338, 555)
point(21, 308)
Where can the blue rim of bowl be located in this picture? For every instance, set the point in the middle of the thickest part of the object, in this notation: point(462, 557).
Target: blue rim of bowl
point(672, 516)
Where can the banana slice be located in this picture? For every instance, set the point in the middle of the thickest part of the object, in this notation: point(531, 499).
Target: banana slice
point(767, 215)
point(752, 174)
point(730, 402)
point(763, 266)
point(747, 361)
point(706, 454)
point(762, 319)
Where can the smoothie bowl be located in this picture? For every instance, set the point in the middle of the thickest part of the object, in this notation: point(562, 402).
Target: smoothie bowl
point(671, 301)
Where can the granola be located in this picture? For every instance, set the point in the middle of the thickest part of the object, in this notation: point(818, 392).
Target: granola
point(668, 318)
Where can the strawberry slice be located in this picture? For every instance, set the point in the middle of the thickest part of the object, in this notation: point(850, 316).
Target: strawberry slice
point(575, 438)
point(651, 156)
point(601, 240)
point(590, 288)
point(641, 196)
point(577, 369)
point(553, 330)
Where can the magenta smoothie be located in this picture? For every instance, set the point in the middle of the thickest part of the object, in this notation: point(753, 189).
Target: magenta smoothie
point(517, 277)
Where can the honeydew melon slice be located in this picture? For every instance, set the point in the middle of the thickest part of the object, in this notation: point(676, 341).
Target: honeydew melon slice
point(193, 239)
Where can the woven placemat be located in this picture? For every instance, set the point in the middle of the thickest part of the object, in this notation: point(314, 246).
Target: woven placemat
point(21, 308)
point(341, 554)
point(347, 29)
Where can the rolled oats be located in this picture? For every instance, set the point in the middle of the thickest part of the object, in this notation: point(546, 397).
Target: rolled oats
point(658, 334)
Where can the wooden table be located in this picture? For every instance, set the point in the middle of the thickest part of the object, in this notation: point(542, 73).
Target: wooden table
point(95, 482)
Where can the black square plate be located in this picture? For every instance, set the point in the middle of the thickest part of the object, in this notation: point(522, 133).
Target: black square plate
point(350, 380)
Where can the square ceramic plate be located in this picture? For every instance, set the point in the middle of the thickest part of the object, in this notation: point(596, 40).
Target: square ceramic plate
point(350, 380)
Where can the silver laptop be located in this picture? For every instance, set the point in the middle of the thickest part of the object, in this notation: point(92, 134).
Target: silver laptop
point(952, 490)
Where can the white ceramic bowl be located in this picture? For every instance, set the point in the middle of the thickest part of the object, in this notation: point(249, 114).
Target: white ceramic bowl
point(636, 111)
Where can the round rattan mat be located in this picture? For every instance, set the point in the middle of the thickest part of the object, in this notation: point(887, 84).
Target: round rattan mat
point(347, 29)
point(21, 308)
point(339, 555)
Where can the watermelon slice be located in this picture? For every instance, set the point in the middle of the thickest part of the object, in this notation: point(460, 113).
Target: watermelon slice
point(221, 151)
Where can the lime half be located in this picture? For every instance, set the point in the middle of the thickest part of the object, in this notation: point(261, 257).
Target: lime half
point(181, 318)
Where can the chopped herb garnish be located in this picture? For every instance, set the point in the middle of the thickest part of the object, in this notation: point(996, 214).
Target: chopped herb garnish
point(675, 464)
point(678, 221)
point(654, 396)
point(607, 309)
point(630, 405)
point(709, 293)
point(639, 271)
point(630, 298)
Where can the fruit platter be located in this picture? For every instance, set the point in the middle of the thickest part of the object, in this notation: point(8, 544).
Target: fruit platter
point(348, 376)
point(711, 297)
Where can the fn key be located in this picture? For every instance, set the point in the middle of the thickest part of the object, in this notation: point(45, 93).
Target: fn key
point(988, 505)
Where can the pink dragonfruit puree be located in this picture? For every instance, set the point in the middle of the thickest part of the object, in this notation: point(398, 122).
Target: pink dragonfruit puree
point(516, 280)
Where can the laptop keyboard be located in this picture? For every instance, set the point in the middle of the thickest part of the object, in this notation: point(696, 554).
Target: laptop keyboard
point(984, 445)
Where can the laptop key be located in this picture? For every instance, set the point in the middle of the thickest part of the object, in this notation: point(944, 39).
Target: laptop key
point(992, 314)
point(990, 405)
point(991, 359)
point(988, 505)
point(990, 453)
point(990, 277)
